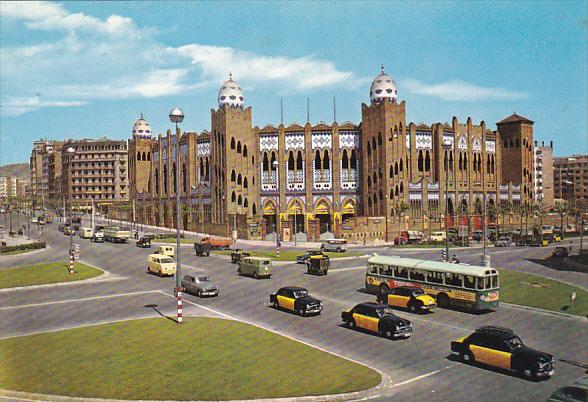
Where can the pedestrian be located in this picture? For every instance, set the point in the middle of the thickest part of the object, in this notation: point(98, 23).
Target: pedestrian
point(454, 259)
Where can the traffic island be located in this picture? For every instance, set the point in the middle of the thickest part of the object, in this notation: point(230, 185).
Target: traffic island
point(539, 292)
point(157, 359)
point(48, 273)
point(290, 255)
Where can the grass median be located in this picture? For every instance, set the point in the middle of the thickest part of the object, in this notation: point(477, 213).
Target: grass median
point(41, 274)
point(157, 359)
point(290, 255)
point(539, 292)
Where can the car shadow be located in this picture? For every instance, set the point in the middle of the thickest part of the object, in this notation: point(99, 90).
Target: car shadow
point(365, 331)
point(456, 359)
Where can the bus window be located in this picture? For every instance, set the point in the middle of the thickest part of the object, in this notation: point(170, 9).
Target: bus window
point(480, 283)
point(400, 272)
point(469, 282)
point(435, 277)
point(373, 269)
point(386, 270)
point(494, 281)
point(416, 275)
point(454, 280)
point(488, 282)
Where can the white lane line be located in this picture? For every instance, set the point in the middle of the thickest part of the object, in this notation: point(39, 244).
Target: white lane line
point(420, 377)
point(347, 269)
point(191, 267)
point(78, 300)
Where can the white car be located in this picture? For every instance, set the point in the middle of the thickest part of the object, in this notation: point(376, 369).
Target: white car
point(34, 220)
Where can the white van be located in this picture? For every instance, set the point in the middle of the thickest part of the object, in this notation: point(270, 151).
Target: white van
point(437, 236)
point(86, 233)
point(161, 265)
point(166, 250)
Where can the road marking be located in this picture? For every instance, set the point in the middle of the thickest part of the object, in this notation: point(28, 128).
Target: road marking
point(420, 377)
point(78, 300)
point(191, 267)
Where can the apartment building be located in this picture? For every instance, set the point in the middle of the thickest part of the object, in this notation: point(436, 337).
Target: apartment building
point(571, 178)
point(544, 191)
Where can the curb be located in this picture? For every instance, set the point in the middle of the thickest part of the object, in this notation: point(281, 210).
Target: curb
point(540, 310)
point(98, 278)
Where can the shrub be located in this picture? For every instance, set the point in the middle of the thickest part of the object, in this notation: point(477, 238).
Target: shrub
point(18, 247)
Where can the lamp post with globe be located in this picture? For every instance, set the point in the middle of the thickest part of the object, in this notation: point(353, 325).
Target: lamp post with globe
point(176, 116)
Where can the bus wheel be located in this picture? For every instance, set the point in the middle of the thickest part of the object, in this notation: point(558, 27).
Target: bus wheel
point(384, 288)
point(443, 300)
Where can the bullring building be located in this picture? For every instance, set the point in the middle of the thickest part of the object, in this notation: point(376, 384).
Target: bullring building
point(358, 181)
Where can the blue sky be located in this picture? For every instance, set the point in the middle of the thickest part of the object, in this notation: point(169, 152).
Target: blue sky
point(88, 69)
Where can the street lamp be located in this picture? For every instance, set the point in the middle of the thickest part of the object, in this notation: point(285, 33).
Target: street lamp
point(176, 116)
point(70, 151)
point(275, 165)
point(446, 147)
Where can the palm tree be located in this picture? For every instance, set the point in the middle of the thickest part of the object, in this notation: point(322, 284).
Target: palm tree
point(561, 208)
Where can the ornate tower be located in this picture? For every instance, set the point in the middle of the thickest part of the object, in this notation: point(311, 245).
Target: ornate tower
point(233, 156)
point(515, 136)
point(140, 157)
point(383, 150)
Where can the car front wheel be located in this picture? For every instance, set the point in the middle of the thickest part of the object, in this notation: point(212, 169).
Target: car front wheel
point(351, 324)
point(467, 357)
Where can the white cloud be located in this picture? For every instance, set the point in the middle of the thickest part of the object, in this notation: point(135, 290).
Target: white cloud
point(304, 73)
point(113, 59)
point(18, 106)
point(462, 91)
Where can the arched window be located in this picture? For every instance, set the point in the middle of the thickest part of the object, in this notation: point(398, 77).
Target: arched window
point(396, 168)
point(299, 161)
point(291, 161)
point(246, 203)
point(207, 173)
point(165, 178)
point(138, 155)
point(344, 160)
point(184, 178)
point(144, 157)
point(239, 179)
point(369, 150)
point(465, 161)
point(253, 160)
point(233, 175)
point(369, 202)
point(326, 162)
point(201, 168)
point(245, 150)
point(460, 163)
point(233, 197)
point(381, 195)
point(375, 199)
point(445, 161)
point(232, 142)
point(427, 162)
point(265, 164)
point(374, 144)
point(353, 160)
point(317, 160)
point(401, 165)
point(451, 160)
point(492, 164)
point(156, 181)
point(245, 184)
point(148, 156)
point(391, 172)
point(175, 178)
point(369, 181)
point(401, 188)
point(240, 200)
point(479, 163)
point(239, 147)
point(379, 138)
point(391, 193)
point(397, 191)
point(420, 162)
point(254, 209)
point(273, 165)
point(475, 162)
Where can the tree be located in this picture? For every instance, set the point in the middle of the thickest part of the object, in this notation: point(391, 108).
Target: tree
point(561, 208)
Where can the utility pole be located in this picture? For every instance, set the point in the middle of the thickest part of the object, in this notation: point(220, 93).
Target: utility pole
point(177, 116)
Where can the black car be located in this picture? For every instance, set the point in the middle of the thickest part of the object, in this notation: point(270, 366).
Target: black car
point(144, 242)
point(522, 242)
point(377, 318)
point(296, 299)
point(500, 347)
point(303, 258)
point(536, 242)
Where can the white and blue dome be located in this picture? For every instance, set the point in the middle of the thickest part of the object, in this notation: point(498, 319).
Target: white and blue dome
point(383, 88)
point(141, 128)
point(230, 94)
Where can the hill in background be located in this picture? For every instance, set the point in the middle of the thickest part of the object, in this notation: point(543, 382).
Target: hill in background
point(18, 170)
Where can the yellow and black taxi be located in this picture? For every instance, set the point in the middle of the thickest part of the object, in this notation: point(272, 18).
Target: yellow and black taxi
point(377, 318)
point(411, 297)
point(501, 348)
point(296, 299)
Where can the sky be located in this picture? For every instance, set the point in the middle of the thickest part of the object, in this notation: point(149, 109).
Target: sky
point(89, 69)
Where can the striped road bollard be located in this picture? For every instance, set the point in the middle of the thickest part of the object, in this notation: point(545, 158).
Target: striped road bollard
point(179, 305)
point(70, 268)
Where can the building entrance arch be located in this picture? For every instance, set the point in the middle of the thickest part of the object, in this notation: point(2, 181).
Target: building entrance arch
point(270, 218)
point(348, 210)
point(323, 213)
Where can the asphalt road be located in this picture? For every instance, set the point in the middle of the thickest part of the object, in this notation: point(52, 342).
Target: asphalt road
point(419, 368)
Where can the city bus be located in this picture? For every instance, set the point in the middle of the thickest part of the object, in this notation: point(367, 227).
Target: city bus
point(453, 285)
